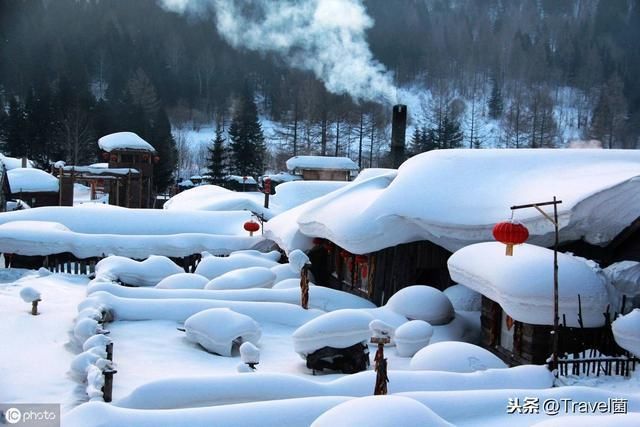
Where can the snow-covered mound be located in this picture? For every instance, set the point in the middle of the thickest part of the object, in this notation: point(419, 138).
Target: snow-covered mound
point(137, 273)
point(412, 336)
point(228, 389)
point(293, 282)
point(124, 141)
point(272, 255)
point(30, 180)
point(215, 198)
point(625, 277)
point(523, 283)
point(380, 411)
point(455, 356)
point(245, 278)
point(338, 329)
point(422, 303)
point(298, 259)
point(183, 281)
point(217, 329)
point(212, 266)
point(631, 419)
point(598, 189)
point(463, 298)
point(284, 272)
point(626, 331)
point(180, 309)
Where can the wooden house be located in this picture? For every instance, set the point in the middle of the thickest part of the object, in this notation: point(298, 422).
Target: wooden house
point(33, 186)
point(240, 183)
point(517, 302)
point(127, 151)
point(322, 168)
point(393, 229)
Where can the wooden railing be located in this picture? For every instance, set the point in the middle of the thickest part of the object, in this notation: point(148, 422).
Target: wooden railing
point(622, 366)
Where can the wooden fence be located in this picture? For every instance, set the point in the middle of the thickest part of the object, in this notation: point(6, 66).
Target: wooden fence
point(606, 366)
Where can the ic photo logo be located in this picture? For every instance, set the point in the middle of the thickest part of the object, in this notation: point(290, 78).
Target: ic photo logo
point(13, 415)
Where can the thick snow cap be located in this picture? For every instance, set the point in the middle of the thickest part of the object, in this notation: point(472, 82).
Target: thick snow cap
point(523, 283)
point(455, 356)
point(338, 329)
point(598, 189)
point(30, 180)
point(626, 331)
point(321, 163)
point(216, 329)
point(422, 303)
point(124, 141)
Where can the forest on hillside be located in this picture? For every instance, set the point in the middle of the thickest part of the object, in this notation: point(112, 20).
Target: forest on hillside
point(512, 73)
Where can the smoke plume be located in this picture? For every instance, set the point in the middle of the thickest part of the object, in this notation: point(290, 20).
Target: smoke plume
point(326, 37)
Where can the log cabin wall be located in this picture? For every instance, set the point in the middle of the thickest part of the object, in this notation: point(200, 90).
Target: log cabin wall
point(416, 263)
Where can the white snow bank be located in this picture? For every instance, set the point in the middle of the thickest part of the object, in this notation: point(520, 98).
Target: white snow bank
point(523, 283)
point(322, 298)
point(30, 180)
point(212, 266)
point(463, 298)
point(183, 281)
point(272, 255)
point(180, 309)
point(626, 331)
point(124, 141)
point(280, 413)
point(380, 411)
point(375, 172)
point(217, 329)
point(455, 356)
point(338, 329)
point(598, 189)
point(245, 278)
point(284, 272)
point(321, 162)
point(102, 219)
point(412, 336)
point(228, 389)
point(293, 282)
point(619, 420)
point(137, 273)
point(422, 303)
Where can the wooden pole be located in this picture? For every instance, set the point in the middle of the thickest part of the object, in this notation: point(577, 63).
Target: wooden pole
point(382, 378)
point(304, 287)
point(34, 307)
point(555, 286)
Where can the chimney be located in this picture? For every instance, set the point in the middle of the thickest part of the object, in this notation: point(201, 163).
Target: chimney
point(398, 130)
point(24, 162)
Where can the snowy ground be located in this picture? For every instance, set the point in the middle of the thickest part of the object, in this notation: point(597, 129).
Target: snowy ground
point(155, 358)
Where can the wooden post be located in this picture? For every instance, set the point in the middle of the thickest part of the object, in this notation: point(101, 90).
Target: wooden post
point(129, 188)
point(107, 389)
point(304, 287)
point(34, 307)
point(109, 350)
point(382, 379)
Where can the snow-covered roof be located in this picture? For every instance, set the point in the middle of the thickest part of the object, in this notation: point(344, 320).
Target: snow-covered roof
point(99, 170)
point(455, 197)
point(13, 163)
point(523, 283)
point(107, 219)
point(321, 163)
point(31, 180)
point(124, 141)
point(215, 198)
point(241, 179)
point(282, 177)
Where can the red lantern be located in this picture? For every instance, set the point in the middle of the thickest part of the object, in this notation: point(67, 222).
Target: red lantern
point(267, 185)
point(105, 155)
point(113, 158)
point(251, 227)
point(510, 233)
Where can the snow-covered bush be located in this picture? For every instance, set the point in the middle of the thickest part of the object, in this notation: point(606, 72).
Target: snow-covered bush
point(412, 336)
point(137, 273)
point(463, 298)
point(422, 303)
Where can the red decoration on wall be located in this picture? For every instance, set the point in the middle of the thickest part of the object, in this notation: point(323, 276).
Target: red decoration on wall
point(510, 233)
point(113, 158)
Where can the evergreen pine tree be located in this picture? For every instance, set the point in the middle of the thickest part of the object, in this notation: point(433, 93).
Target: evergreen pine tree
point(161, 138)
point(448, 134)
point(15, 130)
point(496, 104)
point(247, 141)
point(217, 158)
